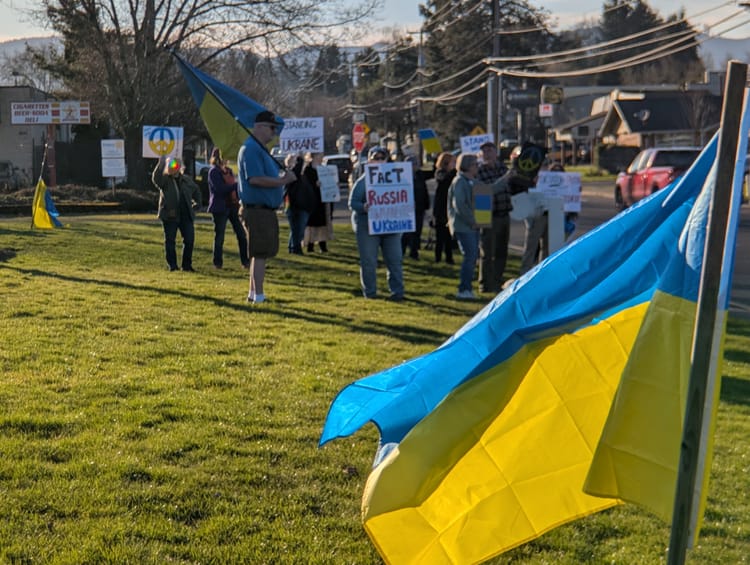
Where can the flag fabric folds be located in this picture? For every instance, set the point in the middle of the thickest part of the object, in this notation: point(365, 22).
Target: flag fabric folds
point(228, 114)
point(492, 436)
point(637, 457)
point(43, 211)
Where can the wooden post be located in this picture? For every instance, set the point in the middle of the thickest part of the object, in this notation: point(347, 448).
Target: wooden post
point(706, 317)
point(51, 162)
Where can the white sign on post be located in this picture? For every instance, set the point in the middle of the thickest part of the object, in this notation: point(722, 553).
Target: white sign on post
point(389, 189)
point(328, 175)
point(563, 185)
point(113, 158)
point(471, 143)
point(301, 135)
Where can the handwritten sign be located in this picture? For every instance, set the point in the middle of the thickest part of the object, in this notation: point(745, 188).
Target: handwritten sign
point(328, 175)
point(564, 185)
point(471, 143)
point(389, 190)
point(301, 135)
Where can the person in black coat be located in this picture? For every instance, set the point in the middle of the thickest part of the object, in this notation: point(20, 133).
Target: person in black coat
point(445, 171)
point(413, 240)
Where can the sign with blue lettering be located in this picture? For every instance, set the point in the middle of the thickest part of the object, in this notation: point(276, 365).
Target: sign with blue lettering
point(390, 197)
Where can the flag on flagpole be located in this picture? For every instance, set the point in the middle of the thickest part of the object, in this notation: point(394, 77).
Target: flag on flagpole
point(228, 114)
point(488, 440)
point(43, 211)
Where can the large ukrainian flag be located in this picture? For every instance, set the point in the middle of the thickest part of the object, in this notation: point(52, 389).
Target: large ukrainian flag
point(228, 114)
point(488, 440)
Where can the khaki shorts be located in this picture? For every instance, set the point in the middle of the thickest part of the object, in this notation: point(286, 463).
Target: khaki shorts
point(262, 229)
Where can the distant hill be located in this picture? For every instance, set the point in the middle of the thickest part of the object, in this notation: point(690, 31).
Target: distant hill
point(714, 51)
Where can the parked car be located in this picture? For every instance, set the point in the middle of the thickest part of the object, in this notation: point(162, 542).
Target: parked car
point(343, 163)
point(651, 170)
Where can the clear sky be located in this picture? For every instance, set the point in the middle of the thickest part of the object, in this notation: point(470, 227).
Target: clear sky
point(404, 14)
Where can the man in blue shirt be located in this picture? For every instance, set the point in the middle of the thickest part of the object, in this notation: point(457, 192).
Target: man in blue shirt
point(261, 192)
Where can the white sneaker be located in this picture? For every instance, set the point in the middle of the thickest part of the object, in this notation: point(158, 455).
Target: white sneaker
point(465, 295)
point(259, 298)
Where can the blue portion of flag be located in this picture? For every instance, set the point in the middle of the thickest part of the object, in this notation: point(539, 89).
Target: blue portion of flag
point(242, 108)
point(611, 268)
point(51, 210)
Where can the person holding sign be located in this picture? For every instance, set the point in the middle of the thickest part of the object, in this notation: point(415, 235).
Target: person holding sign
point(179, 197)
point(376, 233)
point(462, 223)
point(494, 239)
point(261, 191)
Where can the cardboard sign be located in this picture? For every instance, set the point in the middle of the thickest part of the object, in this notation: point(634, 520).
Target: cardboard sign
point(389, 191)
point(328, 175)
point(301, 135)
point(483, 204)
point(471, 143)
point(564, 185)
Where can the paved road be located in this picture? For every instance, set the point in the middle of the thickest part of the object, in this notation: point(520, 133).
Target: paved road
point(598, 206)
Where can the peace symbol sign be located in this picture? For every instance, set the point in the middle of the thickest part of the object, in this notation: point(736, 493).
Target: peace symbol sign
point(529, 159)
point(161, 141)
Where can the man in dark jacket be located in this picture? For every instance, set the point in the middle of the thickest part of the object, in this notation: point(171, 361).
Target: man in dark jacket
point(493, 242)
point(179, 196)
point(413, 240)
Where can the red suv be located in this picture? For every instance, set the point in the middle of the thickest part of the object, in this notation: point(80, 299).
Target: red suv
point(651, 170)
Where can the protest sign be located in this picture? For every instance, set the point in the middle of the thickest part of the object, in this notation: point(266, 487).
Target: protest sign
point(389, 189)
point(162, 141)
point(483, 204)
point(564, 185)
point(301, 135)
point(471, 143)
point(328, 175)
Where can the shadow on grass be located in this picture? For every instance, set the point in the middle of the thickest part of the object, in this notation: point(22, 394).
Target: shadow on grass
point(274, 307)
point(735, 391)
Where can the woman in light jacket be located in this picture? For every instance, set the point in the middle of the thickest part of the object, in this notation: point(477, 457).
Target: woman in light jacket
point(462, 223)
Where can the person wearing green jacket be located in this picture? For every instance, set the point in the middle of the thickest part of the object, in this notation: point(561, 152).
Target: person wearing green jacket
point(179, 197)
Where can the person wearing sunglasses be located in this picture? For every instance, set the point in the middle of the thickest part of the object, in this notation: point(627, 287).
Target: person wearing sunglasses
point(179, 197)
point(368, 245)
point(261, 192)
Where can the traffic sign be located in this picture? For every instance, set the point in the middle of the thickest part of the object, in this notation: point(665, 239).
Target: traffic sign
point(358, 137)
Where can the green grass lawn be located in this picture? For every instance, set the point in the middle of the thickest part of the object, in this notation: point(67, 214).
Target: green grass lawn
point(156, 417)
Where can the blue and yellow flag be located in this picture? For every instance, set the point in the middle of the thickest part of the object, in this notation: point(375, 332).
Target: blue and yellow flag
point(228, 114)
point(43, 211)
point(487, 442)
point(430, 141)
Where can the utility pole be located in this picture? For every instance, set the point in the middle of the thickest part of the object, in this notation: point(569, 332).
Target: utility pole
point(495, 84)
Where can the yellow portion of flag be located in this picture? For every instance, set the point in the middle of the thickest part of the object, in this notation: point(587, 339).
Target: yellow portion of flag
point(637, 457)
point(503, 458)
point(40, 217)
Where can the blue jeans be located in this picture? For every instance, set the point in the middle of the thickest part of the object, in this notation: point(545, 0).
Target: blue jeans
point(187, 230)
point(469, 244)
point(368, 246)
point(297, 222)
point(220, 226)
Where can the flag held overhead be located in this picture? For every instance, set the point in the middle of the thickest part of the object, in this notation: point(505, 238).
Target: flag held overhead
point(228, 114)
